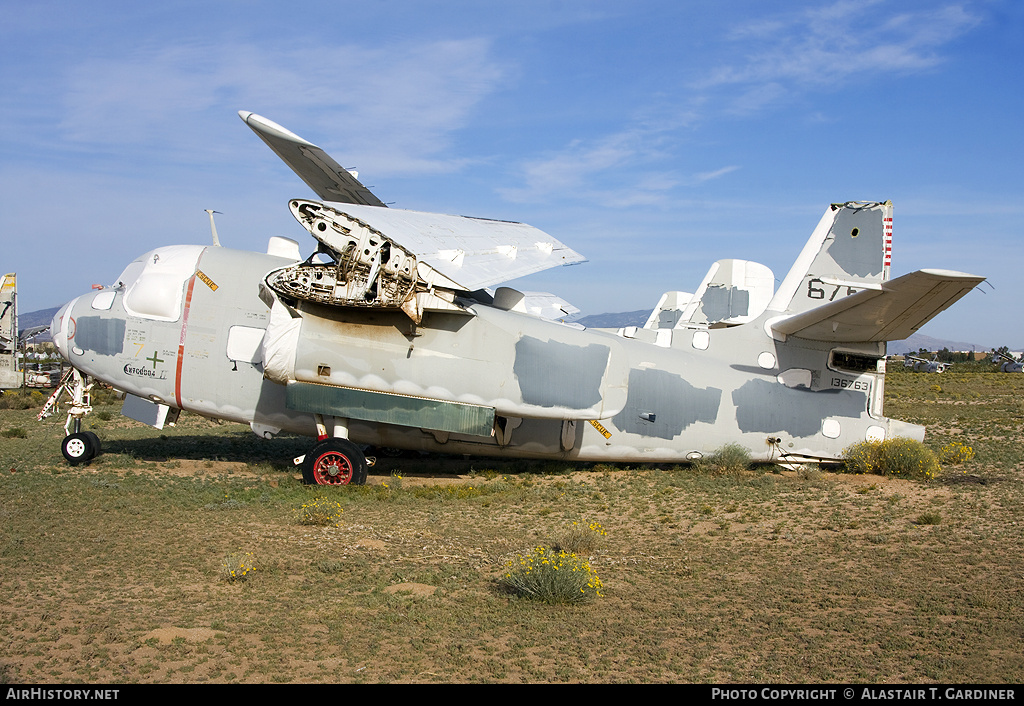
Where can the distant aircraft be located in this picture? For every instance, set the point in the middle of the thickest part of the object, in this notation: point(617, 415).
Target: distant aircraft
point(390, 334)
point(920, 365)
point(9, 376)
point(1008, 364)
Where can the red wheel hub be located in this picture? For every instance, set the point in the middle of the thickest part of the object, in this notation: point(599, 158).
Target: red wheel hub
point(332, 468)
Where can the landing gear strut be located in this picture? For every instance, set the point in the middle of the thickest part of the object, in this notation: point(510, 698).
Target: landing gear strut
point(78, 446)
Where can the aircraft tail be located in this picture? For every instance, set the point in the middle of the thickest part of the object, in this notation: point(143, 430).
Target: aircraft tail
point(849, 250)
point(839, 288)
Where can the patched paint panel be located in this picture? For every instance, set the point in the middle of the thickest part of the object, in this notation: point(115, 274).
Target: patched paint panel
point(391, 409)
point(675, 404)
point(99, 335)
point(553, 374)
point(848, 250)
point(721, 302)
point(763, 406)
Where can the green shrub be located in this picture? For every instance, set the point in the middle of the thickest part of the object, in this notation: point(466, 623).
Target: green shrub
point(954, 453)
point(16, 399)
point(320, 512)
point(579, 537)
point(555, 577)
point(898, 457)
point(728, 460)
point(237, 566)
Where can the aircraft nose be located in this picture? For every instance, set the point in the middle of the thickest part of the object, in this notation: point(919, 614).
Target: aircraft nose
point(59, 328)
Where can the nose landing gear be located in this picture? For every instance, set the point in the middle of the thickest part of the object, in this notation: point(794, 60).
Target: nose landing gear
point(77, 446)
point(80, 447)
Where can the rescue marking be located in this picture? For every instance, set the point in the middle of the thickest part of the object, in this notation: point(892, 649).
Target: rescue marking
point(597, 425)
point(206, 280)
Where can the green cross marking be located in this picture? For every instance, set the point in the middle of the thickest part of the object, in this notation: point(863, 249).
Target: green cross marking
point(155, 360)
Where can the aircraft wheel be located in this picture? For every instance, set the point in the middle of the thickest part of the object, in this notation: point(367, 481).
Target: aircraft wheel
point(97, 447)
point(79, 447)
point(334, 462)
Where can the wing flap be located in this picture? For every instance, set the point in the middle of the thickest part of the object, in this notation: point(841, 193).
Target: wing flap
point(328, 179)
point(890, 313)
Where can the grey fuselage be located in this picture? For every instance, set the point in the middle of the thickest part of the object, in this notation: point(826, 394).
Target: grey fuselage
point(547, 389)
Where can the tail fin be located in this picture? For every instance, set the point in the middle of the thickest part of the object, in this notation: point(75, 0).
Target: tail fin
point(849, 250)
point(839, 288)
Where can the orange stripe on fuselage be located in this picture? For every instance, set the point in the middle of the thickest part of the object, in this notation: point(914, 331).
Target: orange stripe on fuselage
point(181, 340)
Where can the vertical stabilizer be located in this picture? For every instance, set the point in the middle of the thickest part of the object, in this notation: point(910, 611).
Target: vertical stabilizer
point(9, 377)
point(848, 251)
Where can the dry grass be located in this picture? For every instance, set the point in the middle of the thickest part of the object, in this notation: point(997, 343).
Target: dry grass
point(113, 572)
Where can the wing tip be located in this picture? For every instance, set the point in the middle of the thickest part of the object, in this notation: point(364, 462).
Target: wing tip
point(259, 124)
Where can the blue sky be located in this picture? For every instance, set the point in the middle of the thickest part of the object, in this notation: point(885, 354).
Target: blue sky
point(653, 137)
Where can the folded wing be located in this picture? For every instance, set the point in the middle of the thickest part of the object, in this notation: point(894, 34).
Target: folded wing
point(460, 252)
point(471, 252)
point(328, 179)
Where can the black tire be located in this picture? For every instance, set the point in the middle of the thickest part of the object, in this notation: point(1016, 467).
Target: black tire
point(97, 447)
point(334, 462)
point(78, 447)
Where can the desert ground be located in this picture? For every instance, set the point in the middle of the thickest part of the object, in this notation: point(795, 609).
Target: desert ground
point(119, 571)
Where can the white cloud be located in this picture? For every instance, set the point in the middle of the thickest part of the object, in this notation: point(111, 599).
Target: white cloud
point(830, 44)
point(404, 100)
point(772, 59)
point(708, 176)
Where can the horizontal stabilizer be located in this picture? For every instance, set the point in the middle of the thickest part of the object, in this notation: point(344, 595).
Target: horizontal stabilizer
point(891, 312)
point(324, 176)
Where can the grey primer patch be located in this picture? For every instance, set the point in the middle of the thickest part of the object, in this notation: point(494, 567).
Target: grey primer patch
point(763, 406)
point(390, 408)
point(553, 374)
point(101, 336)
point(721, 302)
point(852, 254)
point(675, 403)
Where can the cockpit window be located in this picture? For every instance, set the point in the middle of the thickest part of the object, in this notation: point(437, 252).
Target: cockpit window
point(154, 284)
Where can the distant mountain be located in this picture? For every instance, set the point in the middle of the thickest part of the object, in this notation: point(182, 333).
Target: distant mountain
point(909, 345)
point(36, 318)
point(919, 341)
point(626, 318)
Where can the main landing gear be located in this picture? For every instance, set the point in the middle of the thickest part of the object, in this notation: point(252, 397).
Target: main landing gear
point(334, 460)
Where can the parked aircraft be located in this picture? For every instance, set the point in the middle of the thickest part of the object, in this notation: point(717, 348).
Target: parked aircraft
point(1008, 364)
point(390, 334)
point(920, 365)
